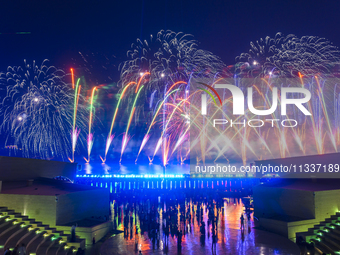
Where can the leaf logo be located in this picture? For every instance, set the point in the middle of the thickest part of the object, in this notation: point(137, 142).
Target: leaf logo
point(210, 94)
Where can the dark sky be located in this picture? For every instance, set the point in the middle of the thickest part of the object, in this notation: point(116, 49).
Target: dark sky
point(59, 29)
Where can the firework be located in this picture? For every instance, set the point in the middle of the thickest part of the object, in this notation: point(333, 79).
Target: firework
point(72, 75)
point(158, 100)
point(287, 56)
point(90, 135)
point(36, 111)
point(126, 136)
point(168, 57)
point(75, 133)
point(110, 136)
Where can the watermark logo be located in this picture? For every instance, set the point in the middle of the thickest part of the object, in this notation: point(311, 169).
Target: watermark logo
point(239, 98)
point(238, 121)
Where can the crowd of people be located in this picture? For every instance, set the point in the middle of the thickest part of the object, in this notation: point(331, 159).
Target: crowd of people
point(161, 215)
point(164, 214)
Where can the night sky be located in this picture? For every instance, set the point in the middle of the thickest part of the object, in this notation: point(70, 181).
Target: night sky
point(60, 29)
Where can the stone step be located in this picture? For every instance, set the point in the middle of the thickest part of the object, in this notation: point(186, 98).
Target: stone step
point(328, 237)
point(317, 228)
point(20, 217)
point(28, 237)
point(14, 215)
point(64, 250)
point(334, 226)
point(60, 233)
point(69, 250)
point(5, 224)
point(4, 235)
point(39, 238)
point(3, 219)
point(61, 249)
point(36, 224)
point(14, 239)
point(65, 237)
point(45, 244)
point(53, 250)
point(323, 247)
point(80, 243)
point(334, 235)
point(51, 231)
point(329, 222)
point(28, 221)
point(336, 231)
point(33, 244)
point(335, 217)
point(6, 212)
point(325, 230)
point(333, 248)
point(43, 227)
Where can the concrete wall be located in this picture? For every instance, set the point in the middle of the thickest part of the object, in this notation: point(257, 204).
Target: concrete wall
point(327, 203)
point(14, 168)
point(287, 229)
point(68, 207)
point(272, 202)
point(275, 226)
point(80, 205)
point(98, 231)
point(41, 208)
point(300, 226)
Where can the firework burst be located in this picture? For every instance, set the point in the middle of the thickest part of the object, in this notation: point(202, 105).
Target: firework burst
point(287, 56)
point(169, 57)
point(37, 110)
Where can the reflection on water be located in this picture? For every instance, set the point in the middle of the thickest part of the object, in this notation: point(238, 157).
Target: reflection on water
point(186, 222)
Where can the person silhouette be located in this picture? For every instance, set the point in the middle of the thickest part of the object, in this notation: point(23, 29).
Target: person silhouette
point(242, 221)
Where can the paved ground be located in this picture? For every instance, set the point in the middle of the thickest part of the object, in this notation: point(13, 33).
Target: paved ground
point(231, 240)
